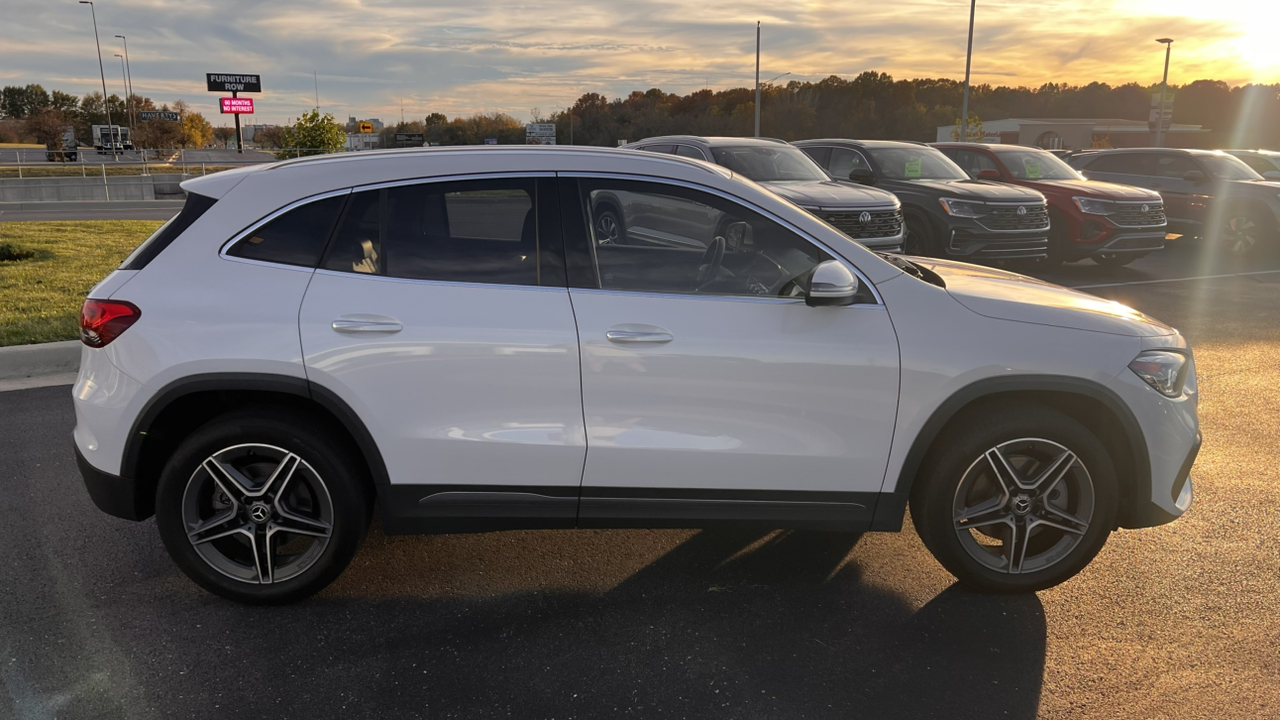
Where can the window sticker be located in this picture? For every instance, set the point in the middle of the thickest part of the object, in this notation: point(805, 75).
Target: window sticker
point(912, 168)
point(1034, 171)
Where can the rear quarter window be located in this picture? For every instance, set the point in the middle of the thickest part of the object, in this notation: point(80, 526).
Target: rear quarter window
point(195, 206)
point(296, 237)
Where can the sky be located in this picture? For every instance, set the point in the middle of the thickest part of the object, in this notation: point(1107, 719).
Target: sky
point(370, 58)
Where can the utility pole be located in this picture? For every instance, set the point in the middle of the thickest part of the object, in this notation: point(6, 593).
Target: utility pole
point(316, 79)
point(128, 72)
point(757, 78)
point(103, 73)
point(968, 63)
point(1164, 90)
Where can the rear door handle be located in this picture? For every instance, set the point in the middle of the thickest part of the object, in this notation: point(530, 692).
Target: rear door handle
point(655, 336)
point(367, 326)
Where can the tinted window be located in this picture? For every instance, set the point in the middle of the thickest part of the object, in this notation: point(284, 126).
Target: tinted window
point(1174, 166)
point(817, 154)
point(914, 163)
point(1229, 168)
point(764, 164)
point(195, 206)
point(971, 161)
point(1123, 163)
point(844, 161)
point(477, 231)
point(690, 152)
point(668, 149)
point(1036, 165)
point(294, 238)
point(656, 238)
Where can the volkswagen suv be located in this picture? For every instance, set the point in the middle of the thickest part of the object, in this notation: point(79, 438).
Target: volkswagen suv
point(446, 335)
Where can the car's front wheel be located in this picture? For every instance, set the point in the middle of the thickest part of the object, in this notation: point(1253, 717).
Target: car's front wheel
point(1015, 498)
point(262, 506)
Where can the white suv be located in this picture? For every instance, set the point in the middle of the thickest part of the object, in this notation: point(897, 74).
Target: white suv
point(446, 333)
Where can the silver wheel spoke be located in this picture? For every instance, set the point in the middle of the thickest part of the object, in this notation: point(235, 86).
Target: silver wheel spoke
point(262, 556)
point(1054, 473)
point(216, 528)
point(1005, 473)
point(1016, 547)
point(224, 474)
point(283, 471)
point(983, 514)
point(299, 525)
point(1067, 521)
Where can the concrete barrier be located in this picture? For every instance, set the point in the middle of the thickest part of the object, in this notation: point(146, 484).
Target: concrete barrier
point(57, 189)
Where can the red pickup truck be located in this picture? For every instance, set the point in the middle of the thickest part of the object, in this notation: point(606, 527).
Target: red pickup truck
point(1112, 224)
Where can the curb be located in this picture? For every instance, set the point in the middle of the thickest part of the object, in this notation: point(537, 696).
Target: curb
point(23, 362)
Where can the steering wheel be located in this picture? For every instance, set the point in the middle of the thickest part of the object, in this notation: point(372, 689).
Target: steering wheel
point(709, 266)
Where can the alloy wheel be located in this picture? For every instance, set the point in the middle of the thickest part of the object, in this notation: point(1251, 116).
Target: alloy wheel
point(257, 513)
point(608, 228)
point(1241, 234)
point(1023, 505)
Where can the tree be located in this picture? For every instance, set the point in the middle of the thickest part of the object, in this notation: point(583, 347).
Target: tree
point(224, 134)
point(196, 131)
point(312, 134)
point(158, 134)
point(270, 137)
point(20, 102)
point(47, 127)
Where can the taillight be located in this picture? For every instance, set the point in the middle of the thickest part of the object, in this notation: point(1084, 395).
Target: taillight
point(102, 321)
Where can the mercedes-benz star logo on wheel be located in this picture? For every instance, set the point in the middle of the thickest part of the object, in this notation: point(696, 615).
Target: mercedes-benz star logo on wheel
point(259, 512)
point(864, 218)
point(1022, 210)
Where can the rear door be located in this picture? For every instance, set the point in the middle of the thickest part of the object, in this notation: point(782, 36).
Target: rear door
point(711, 391)
point(440, 315)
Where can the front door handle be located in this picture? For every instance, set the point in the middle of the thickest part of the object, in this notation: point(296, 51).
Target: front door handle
point(655, 336)
point(367, 326)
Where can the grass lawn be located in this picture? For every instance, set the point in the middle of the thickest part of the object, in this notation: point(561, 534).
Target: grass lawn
point(41, 293)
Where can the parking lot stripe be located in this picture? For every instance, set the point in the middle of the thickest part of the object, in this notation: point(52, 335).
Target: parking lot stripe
point(1165, 280)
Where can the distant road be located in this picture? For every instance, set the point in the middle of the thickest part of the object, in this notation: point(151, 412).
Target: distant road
point(160, 214)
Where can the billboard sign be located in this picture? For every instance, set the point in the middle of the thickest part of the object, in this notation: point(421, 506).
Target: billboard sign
point(410, 138)
point(540, 134)
point(491, 141)
point(149, 115)
point(236, 106)
point(220, 82)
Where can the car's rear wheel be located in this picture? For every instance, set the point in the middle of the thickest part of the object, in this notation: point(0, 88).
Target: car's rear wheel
point(919, 237)
point(1016, 498)
point(262, 506)
point(1245, 232)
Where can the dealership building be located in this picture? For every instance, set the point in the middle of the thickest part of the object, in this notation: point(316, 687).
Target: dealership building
point(1082, 133)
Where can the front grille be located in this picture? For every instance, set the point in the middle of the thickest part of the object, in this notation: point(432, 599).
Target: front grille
point(1007, 217)
point(880, 223)
point(1133, 215)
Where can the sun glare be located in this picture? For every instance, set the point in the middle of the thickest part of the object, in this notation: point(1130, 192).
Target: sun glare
point(1256, 49)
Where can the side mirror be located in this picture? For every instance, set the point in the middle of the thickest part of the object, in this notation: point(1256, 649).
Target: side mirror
point(1194, 176)
point(1272, 174)
point(832, 284)
point(862, 175)
point(989, 174)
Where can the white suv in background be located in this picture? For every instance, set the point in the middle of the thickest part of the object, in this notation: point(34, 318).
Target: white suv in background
point(446, 332)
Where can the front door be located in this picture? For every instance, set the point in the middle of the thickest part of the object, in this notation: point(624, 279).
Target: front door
point(440, 315)
point(711, 391)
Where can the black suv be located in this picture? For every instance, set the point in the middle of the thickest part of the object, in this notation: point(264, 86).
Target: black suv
point(946, 213)
point(1206, 193)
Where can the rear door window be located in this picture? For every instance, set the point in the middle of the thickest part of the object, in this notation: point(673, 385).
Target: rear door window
point(297, 237)
point(666, 149)
point(690, 152)
point(1123, 164)
point(844, 161)
point(481, 231)
point(1174, 166)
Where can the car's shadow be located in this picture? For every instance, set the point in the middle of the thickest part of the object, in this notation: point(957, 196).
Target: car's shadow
point(725, 624)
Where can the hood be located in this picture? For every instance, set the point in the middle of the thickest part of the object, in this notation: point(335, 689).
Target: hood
point(1094, 189)
point(1010, 296)
point(831, 195)
point(977, 190)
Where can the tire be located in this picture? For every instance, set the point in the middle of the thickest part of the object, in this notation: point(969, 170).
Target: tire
point(919, 237)
point(1116, 259)
point(248, 550)
point(608, 226)
point(967, 520)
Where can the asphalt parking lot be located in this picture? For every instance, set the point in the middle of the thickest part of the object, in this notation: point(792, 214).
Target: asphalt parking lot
point(1181, 621)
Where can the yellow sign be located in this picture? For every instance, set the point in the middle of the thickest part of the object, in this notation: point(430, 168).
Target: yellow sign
point(366, 127)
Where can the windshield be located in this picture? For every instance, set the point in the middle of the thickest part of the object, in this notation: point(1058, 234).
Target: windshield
point(915, 163)
point(764, 164)
point(1036, 165)
point(1226, 167)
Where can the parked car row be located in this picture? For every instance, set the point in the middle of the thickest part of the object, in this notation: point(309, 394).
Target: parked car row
point(973, 201)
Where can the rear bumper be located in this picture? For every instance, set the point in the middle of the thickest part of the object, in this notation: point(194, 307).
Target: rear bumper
point(113, 494)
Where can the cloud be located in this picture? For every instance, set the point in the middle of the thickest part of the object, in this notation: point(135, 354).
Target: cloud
point(462, 56)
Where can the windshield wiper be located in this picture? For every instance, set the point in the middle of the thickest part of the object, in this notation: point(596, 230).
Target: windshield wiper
point(912, 269)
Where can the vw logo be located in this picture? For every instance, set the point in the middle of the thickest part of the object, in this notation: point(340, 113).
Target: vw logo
point(1022, 210)
point(1146, 208)
point(864, 218)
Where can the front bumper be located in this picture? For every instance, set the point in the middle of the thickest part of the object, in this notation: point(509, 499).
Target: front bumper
point(113, 494)
point(978, 243)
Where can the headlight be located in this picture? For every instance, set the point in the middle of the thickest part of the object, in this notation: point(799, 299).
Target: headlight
point(963, 208)
point(1164, 370)
point(1093, 206)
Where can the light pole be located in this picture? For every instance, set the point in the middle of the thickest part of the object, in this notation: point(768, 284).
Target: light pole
point(103, 73)
point(128, 81)
point(757, 78)
point(124, 78)
point(1164, 90)
point(968, 64)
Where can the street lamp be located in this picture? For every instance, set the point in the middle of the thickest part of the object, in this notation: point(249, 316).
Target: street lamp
point(968, 64)
point(757, 78)
point(128, 80)
point(103, 73)
point(1164, 90)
